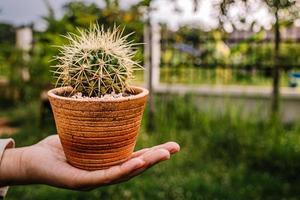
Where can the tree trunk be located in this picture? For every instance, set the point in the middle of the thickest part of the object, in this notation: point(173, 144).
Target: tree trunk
point(276, 68)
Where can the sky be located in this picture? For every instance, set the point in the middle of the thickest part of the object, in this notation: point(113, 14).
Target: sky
point(22, 12)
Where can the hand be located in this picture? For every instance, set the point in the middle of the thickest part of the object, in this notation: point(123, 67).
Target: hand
point(45, 163)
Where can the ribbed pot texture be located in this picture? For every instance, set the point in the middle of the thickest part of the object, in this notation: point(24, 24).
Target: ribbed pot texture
point(97, 133)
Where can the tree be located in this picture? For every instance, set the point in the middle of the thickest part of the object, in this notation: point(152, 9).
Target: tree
point(284, 12)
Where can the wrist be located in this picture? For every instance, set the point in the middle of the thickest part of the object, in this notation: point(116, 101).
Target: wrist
point(12, 169)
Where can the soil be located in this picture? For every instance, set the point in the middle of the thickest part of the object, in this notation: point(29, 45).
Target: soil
point(106, 96)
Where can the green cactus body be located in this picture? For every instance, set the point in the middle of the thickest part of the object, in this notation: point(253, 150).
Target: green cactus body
point(96, 62)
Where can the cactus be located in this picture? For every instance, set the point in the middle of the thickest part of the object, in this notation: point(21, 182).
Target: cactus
point(96, 62)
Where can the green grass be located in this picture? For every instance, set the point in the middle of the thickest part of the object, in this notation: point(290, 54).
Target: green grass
point(223, 156)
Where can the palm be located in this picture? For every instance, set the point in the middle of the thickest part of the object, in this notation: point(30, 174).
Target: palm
point(46, 163)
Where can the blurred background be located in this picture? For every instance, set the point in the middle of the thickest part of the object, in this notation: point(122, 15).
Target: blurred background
point(224, 81)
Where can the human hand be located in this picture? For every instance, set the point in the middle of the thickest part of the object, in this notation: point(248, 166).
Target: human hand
point(45, 163)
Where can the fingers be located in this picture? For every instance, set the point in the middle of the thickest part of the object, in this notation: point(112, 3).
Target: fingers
point(125, 171)
point(151, 158)
point(172, 147)
point(114, 173)
point(108, 176)
point(140, 161)
point(155, 156)
point(139, 152)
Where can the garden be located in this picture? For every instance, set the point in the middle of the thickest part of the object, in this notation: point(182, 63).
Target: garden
point(235, 152)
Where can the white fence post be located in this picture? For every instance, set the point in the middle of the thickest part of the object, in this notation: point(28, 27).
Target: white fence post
point(152, 62)
point(152, 53)
point(146, 54)
point(24, 41)
point(24, 38)
point(155, 53)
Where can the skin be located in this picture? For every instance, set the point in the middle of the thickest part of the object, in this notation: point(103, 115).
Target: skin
point(45, 163)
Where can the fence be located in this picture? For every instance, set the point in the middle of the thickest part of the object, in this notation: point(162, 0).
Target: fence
point(217, 58)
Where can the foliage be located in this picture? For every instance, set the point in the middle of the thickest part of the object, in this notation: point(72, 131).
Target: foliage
point(217, 48)
point(288, 11)
point(230, 155)
point(6, 34)
point(6, 40)
point(210, 47)
point(76, 14)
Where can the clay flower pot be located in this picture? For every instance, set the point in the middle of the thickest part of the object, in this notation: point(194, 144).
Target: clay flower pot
point(97, 133)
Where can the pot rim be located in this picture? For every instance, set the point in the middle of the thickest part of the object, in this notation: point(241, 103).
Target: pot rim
point(53, 93)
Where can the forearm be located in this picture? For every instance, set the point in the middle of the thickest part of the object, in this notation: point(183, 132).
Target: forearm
point(12, 171)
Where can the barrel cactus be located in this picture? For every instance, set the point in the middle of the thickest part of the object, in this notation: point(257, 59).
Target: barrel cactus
point(96, 62)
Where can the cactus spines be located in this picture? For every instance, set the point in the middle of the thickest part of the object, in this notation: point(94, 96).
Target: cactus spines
point(96, 62)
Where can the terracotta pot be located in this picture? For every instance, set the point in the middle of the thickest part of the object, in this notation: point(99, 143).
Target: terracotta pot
point(97, 133)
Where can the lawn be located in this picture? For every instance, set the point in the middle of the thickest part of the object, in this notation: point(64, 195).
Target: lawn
point(223, 156)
